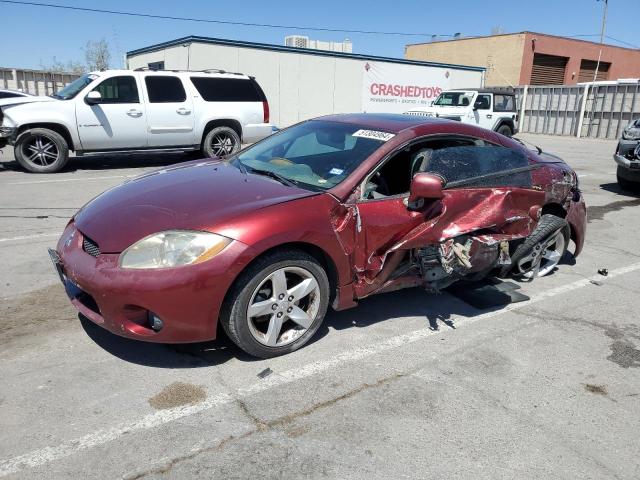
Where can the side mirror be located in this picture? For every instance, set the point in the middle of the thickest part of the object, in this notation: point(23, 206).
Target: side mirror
point(93, 97)
point(425, 186)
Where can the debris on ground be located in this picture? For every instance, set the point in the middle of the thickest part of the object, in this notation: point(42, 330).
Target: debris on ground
point(604, 272)
point(597, 389)
point(595, 282)
point(265, 373)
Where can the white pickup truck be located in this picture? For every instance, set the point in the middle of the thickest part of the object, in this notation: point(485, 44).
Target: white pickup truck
point(490, 108)
point(125, 111)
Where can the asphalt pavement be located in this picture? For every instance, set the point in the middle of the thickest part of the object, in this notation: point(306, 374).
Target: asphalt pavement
point(407, 385)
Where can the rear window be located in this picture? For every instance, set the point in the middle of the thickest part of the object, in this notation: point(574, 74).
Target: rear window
point(9, 95)
point(228, 89)
point(504, 103)
point(165, 89)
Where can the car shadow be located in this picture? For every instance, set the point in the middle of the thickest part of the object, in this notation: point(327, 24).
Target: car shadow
point(613, 187)
point(112, 162)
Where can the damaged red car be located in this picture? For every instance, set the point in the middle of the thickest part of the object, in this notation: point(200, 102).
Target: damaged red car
point(321, 214)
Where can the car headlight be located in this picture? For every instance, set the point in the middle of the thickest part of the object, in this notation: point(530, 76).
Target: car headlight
point(173, 248)
point(631, 135)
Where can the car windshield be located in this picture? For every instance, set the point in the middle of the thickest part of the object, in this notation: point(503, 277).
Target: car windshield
point(454, 99)
point(74, 87)
point(315, 155)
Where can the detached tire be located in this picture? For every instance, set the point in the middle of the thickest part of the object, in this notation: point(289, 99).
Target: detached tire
point(505, 130)
point(220, 142)
point(277, 304)
point(546, 244)
point(40, 150)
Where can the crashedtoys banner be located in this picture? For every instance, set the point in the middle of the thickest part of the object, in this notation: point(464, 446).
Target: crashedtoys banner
point(393, 88)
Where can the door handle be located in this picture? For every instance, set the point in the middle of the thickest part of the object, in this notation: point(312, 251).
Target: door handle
point(134, 113)
point(489, 115)
point(183, 111)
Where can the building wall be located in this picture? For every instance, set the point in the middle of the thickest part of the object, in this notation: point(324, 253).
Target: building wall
point(501, 55)
point(298, 86)
point(625, 62)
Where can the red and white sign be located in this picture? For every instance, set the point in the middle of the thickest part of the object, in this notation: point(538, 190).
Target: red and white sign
point(393, 88)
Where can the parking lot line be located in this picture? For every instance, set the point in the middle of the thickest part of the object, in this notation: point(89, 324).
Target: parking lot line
point(100, 437)
point(29, 237)
point(58, 180)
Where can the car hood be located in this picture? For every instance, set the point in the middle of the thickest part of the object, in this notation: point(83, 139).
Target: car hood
point(192, 196)
point(9, 102)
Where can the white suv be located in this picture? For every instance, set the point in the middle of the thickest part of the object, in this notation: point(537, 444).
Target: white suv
point(493, 109)
point(125, 111)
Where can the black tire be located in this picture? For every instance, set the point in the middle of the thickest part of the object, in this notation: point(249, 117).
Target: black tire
point(221, 142)
point(234, 314)
point(40, 150)
point(505, 130)
point(625, 184)
point(547, 226)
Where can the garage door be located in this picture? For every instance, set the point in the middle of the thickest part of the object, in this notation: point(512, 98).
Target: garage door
point(548, 69)
point(588, 69)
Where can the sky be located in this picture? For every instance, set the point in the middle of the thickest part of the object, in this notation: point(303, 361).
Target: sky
point(33, 35)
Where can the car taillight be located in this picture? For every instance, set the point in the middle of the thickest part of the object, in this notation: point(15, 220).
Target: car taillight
point(265, 111)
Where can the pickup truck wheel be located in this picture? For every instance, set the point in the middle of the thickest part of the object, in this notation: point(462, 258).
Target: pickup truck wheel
point(505, 130)
point(277, 304)
point(220, 142)
point(41, 150)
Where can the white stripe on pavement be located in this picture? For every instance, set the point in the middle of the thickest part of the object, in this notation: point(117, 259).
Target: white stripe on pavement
point(100, 437)
point(57, 180)
point(30, 237)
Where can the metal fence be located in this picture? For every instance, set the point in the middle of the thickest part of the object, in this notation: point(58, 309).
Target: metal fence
point(593, 110)
point(36, 82)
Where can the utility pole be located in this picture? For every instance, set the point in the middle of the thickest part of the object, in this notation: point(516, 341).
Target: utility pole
point(602, 30)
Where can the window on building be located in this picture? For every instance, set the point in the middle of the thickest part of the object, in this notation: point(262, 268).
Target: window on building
point(156, 65)
point(548, 69)
point(165, 89)
point(122, 89)
point(588, 70)
point(216, 89)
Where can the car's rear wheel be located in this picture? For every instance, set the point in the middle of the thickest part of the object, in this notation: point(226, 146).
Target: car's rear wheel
point(541, 252)
point(625, 184)
point(41, 150)
point(277, 304)
point(221, 142)
point(505, 130)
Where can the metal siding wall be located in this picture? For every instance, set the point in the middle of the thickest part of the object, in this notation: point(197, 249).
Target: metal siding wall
point(298, 86)
point(555, 110)
point(36, 82)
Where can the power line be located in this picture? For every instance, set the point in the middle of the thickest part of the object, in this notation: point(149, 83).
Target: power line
point(223, 22)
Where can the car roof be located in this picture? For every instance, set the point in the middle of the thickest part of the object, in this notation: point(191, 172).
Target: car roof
point(388, 122)
point(193, 73)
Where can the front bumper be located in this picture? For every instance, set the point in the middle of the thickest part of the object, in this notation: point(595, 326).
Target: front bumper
point(187, 299)
point(625, 155)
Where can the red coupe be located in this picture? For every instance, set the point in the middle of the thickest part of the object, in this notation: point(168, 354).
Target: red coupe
point(328, 211)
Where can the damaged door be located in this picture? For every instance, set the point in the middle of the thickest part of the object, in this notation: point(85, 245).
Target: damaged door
point(487, 200)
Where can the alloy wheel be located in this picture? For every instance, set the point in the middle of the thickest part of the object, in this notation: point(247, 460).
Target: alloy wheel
point(41, 151)
point(544, 257)
point(283, 306)
point(222, 145)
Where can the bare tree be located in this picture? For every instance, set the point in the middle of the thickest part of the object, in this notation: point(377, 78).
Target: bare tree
point(56, 66)
point(97, 55)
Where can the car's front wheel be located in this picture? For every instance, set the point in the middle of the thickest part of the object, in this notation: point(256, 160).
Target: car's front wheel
point(277, 304)
point(505, 130)
point(41, 150)
point(220, 142)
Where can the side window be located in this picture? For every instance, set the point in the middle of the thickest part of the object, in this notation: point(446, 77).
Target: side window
point(118, 90)
point(218, 89)
point(480, 166)
point(395, 175)
point(483, 102)
point(9, 95)
point(504, 103)
point(165, 89)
